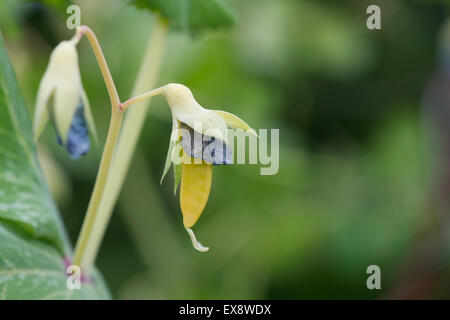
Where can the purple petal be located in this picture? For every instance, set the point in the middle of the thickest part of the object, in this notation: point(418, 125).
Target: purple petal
point(77, 144)
point(209, 149)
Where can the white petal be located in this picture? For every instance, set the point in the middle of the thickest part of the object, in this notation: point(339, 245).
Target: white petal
point(41, 113)
point(197, 245)
point(206, 122)
point(63, 72)
point(180, 100)
point(186, 109)
point(67, 98)
point(235, 122)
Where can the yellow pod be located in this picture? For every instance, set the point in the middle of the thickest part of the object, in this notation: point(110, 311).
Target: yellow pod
point(194, 191)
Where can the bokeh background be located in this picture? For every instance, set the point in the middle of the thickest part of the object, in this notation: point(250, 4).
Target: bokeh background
point(364, 149)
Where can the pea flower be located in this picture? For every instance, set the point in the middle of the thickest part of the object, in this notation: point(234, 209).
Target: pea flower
point(198, 142)
point(62, 99)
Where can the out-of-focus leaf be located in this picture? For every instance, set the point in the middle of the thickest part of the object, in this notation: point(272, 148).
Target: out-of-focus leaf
point(192, 15)
point(33, 269)
point(24, 201)
point(60, 5)
point(33, 243)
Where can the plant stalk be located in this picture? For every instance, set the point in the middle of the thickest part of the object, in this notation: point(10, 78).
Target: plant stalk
point(147, 95)
point(90, 224)
point(113, 134)
point(107, 77)
point(104, 201)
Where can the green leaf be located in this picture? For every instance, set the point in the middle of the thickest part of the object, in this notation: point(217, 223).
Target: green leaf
point(33, 243)
point(192, 15)
point(32, 269)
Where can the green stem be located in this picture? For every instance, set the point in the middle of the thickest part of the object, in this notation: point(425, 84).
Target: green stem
point(134, 119)
point(147, 95)
point(85, 240)
point(113, 134)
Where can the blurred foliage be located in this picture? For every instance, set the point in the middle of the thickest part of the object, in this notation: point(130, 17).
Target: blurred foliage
point(193, 15)
point(354, 186)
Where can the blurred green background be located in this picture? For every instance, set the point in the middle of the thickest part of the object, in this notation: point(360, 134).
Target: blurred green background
point(364, 154)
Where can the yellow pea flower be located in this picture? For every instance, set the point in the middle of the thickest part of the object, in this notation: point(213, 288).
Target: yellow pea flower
point(194, 166)
point(61, 97)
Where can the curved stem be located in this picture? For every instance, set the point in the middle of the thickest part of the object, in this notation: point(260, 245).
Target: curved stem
point(107, 77)
point(87, 230)
point(123, 106)
point(111, 175)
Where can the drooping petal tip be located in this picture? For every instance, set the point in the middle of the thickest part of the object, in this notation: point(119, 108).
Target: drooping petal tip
point(252, 132)
point(233, 121)
point(195, 243)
